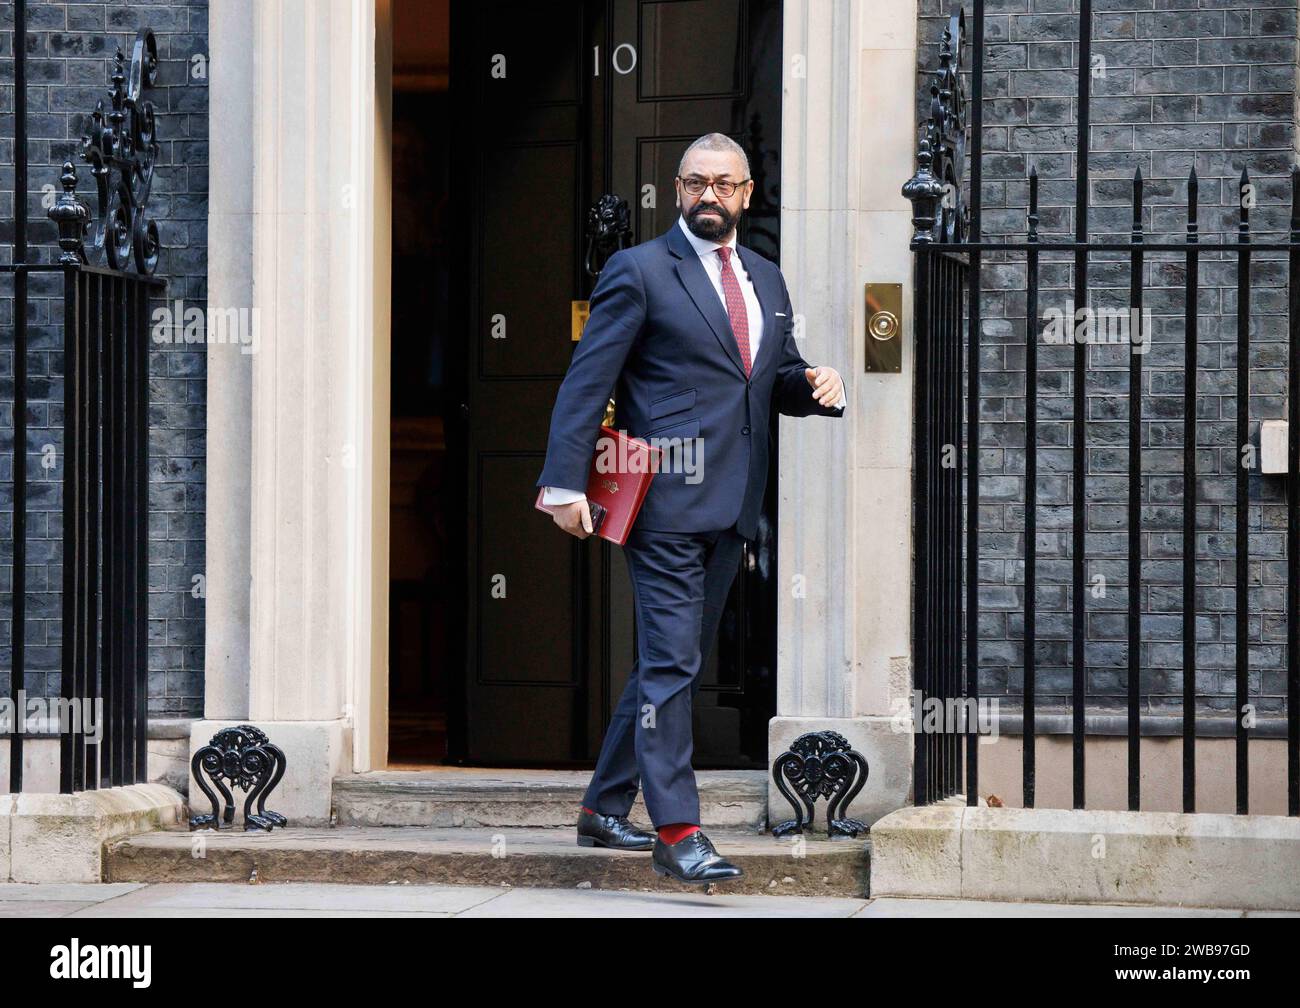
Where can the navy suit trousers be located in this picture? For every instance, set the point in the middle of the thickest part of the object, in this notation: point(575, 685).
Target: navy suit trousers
point(680, 581)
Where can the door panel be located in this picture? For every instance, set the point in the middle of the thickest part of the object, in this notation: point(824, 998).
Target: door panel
point(710, 66)
point(549, 633)
point(518, 82)
point(520, 283)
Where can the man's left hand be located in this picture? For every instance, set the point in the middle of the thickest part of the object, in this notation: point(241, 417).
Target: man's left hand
point(827, 386)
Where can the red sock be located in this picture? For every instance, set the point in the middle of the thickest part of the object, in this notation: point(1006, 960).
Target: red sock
point(588, 811)
point(676, 832)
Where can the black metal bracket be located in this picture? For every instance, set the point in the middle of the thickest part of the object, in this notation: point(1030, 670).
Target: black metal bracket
point(820, 765)
point(121, 147)
point(939, 212)
point(246, 758)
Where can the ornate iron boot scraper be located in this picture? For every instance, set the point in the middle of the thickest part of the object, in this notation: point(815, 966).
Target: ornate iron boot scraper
point(246, 758)
point(820, 764)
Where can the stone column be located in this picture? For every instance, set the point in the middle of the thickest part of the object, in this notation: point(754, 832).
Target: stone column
point(844, 536)
point(230, 371)
point(301, 87)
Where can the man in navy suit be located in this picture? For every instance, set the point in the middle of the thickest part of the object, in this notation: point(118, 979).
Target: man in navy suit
point(693, 335)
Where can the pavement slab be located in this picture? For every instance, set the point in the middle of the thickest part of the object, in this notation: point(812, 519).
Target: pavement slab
point(214, 899)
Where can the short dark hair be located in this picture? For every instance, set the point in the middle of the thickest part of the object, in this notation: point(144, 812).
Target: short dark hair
point(715, 142)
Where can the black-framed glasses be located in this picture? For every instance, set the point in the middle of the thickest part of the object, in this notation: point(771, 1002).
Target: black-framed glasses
point(722, 188)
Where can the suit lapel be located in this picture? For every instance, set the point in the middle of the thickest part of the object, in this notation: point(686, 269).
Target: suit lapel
point(691, 273)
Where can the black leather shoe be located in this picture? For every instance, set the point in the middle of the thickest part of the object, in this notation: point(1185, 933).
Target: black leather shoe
point(694, 860)
point(614, 832)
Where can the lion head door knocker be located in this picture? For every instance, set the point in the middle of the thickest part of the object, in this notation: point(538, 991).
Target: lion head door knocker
point(246, 758)
point(609, 229)
point(820, 765)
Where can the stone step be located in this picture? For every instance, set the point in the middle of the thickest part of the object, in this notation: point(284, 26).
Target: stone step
point(471, 796)
point(547, 858)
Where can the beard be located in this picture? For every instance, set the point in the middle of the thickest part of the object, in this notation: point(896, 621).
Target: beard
point(717, 228)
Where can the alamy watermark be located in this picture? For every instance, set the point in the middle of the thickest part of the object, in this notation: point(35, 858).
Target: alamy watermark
point(922, 715)
point(1106, 326)
point(675, 455)
point(40, 715)
point(174, 323)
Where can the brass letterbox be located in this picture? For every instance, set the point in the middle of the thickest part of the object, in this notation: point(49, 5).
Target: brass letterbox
point(578, 312)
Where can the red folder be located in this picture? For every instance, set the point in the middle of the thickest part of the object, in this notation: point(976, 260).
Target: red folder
point(621, 470)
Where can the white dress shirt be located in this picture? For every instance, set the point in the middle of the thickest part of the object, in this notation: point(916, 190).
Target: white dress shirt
point(712, 262)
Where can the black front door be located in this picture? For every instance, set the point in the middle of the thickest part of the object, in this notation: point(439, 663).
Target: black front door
point(554, 105)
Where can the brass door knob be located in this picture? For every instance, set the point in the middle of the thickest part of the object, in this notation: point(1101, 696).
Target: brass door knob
point(883, 325)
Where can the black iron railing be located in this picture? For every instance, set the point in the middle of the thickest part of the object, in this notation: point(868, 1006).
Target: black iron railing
point(936, 501)
point(949, 247)
point(105, 454)
point(941, 304)
point(105, 613)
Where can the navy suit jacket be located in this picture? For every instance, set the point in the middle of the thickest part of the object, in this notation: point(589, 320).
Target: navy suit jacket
point(658, 339)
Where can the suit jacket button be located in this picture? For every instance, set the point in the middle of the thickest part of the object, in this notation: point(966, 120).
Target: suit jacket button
point(744, 430)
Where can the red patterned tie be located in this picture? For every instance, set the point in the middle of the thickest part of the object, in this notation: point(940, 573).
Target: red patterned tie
point(735, 306)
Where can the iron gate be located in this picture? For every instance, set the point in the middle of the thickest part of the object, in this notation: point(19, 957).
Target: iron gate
point(949, 247)
point(104, 457)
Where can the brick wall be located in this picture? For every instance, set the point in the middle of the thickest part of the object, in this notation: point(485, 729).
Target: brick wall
point(1176, 84)
point(69, 59)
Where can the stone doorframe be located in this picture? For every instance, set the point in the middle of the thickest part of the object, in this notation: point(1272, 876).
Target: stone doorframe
point(844, 537)
point(298, 481)
point(297, 506)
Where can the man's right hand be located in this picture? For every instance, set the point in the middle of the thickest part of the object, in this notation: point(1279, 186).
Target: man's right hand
point(574, 518)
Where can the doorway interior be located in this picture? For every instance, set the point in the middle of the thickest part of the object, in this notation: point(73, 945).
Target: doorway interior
point(424, 579)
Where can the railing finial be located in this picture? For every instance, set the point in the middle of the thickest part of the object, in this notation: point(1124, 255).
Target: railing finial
point(72, 217)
